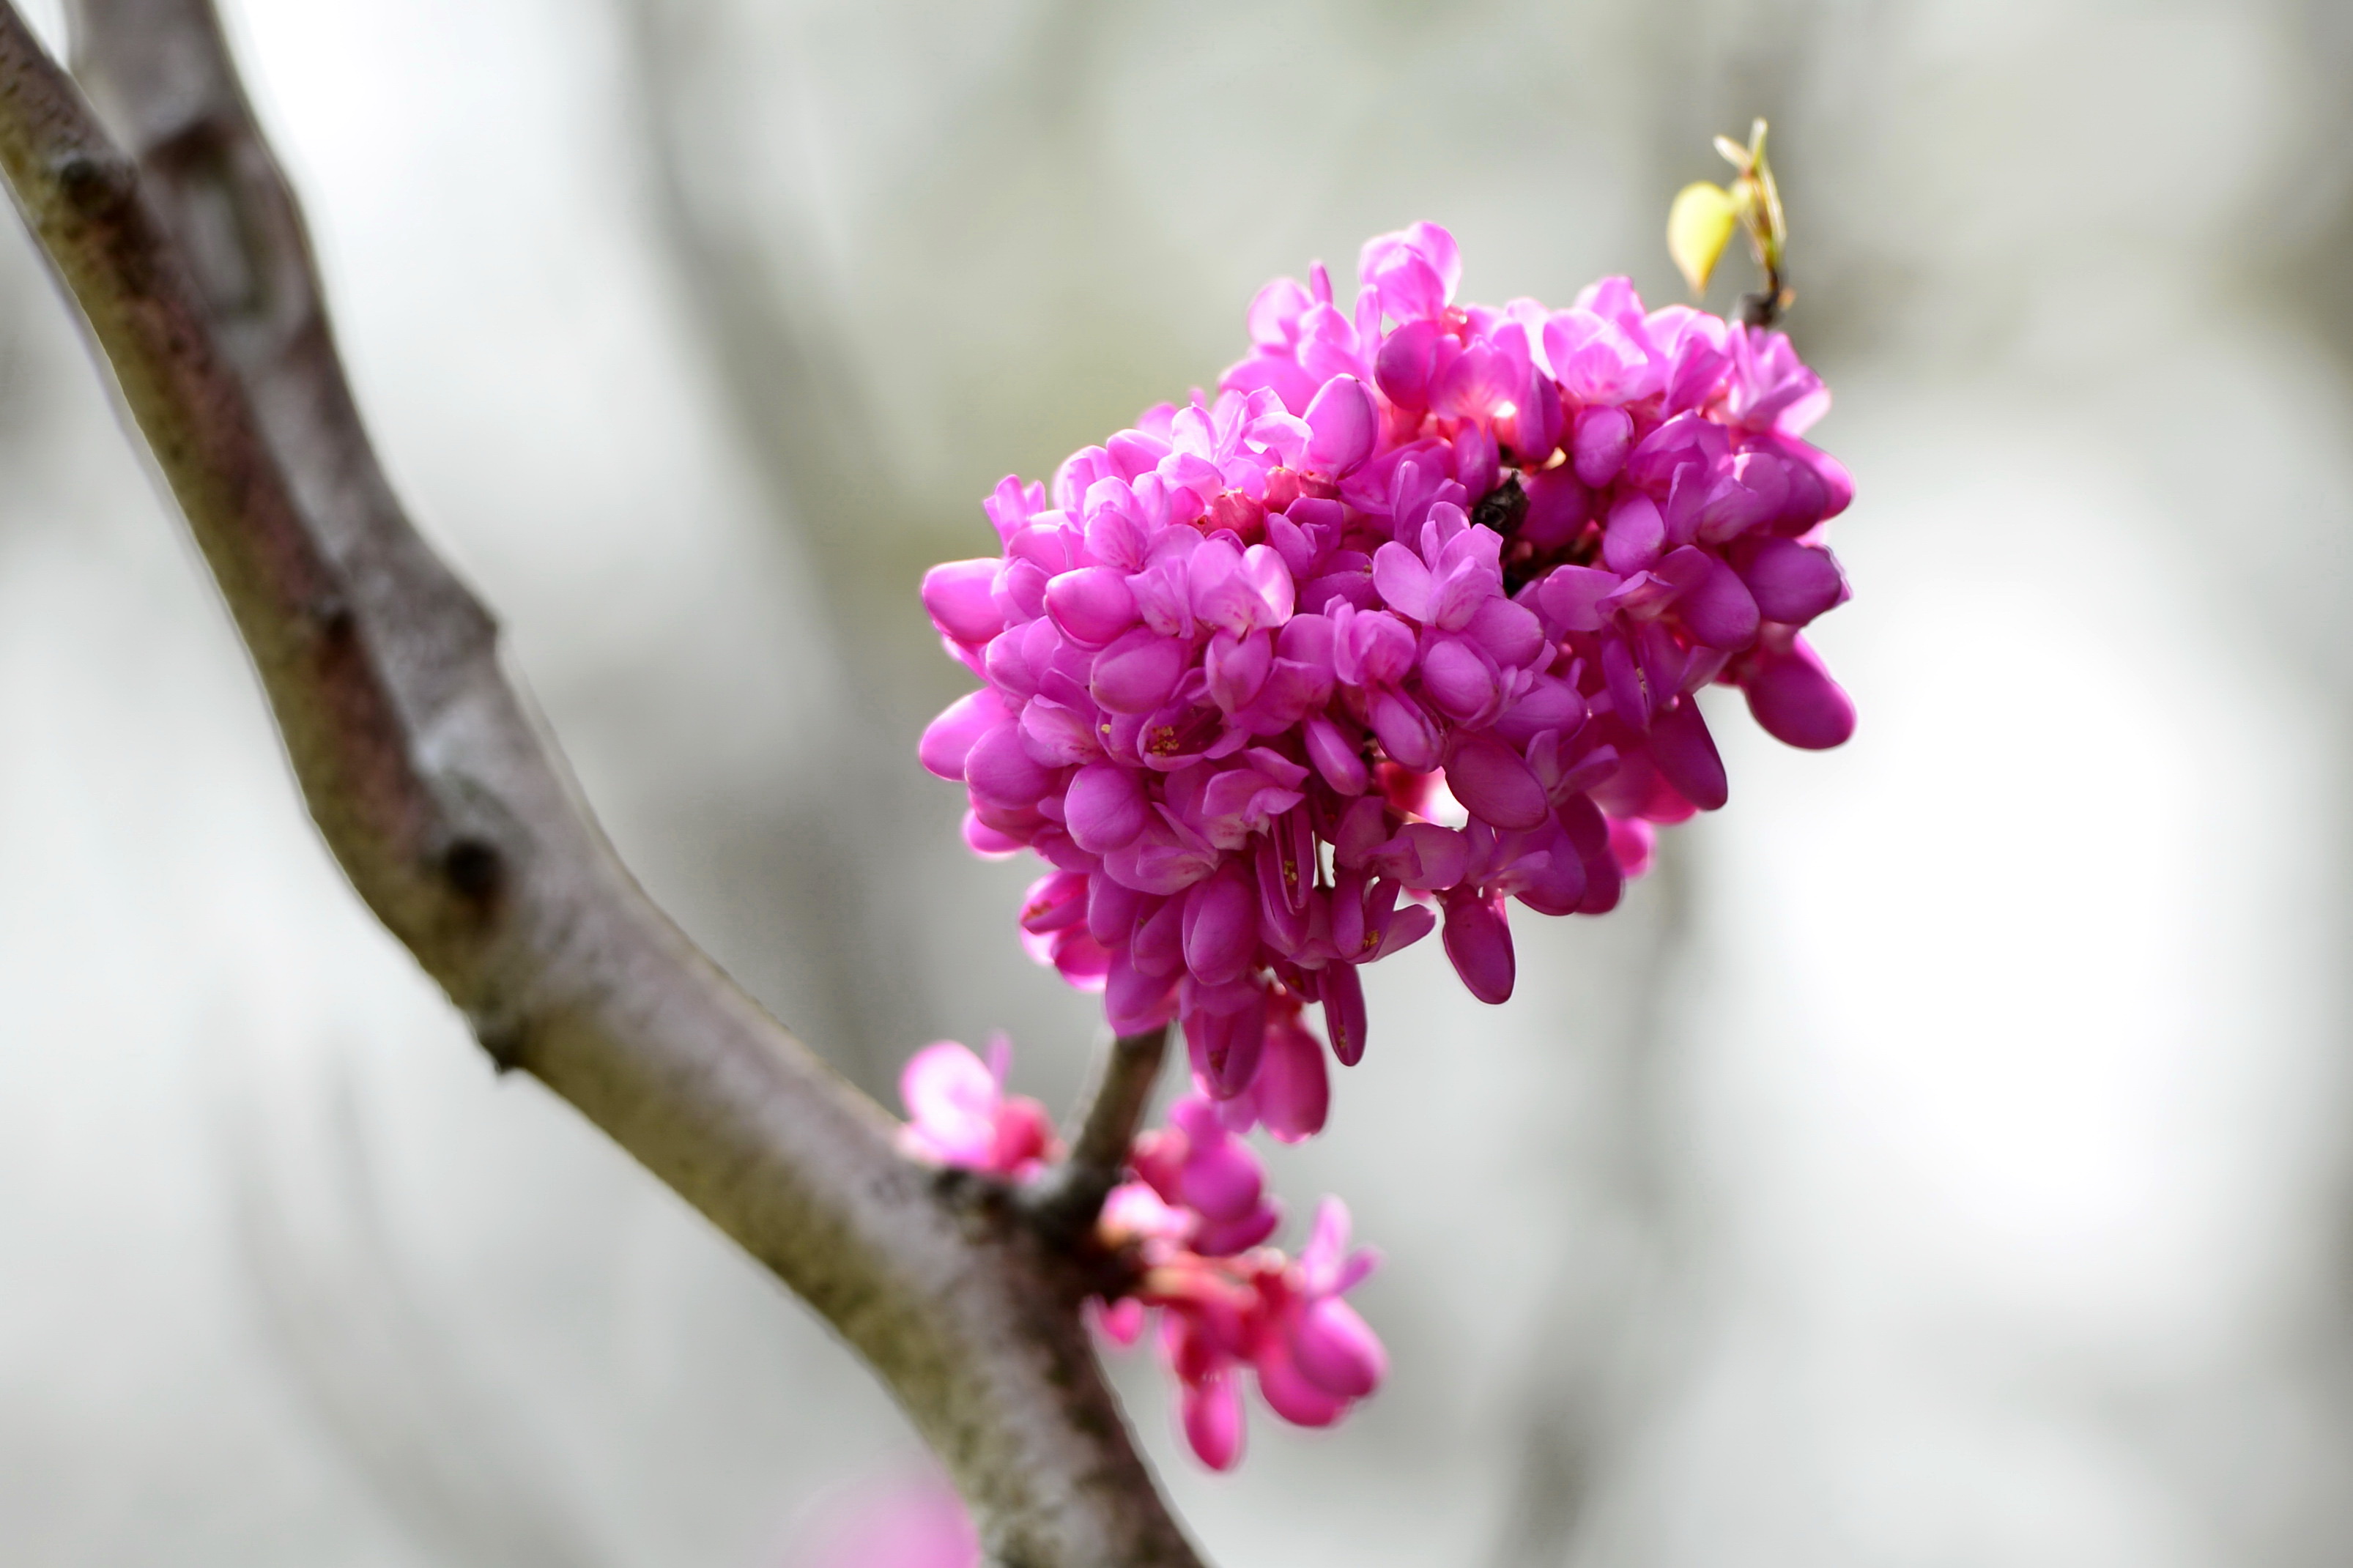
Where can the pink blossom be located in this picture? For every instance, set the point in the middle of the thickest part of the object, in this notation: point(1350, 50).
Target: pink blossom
point(1405, 626)
point(911, 1521)
point(959, 1114)
point(1418, 538)
point(1222, 1314)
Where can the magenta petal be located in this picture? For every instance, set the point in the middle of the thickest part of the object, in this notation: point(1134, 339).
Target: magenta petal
point(1343, 1012)
point(1341, 423)
point(1798, 703)
point(1336, 757)
point(985, 841)
point(1457, 679)
point(1634, 536)
point(1425, 856)
point(1113, 909)
point(1407, 926)
point(948, 740)
point(1294, 1089)
point(1403, 581)
point(1106, 807)
point(1212, 1418)
point(1686, 755)
point(1572, 596)
point(1221, 926)
point(958, 595)
point(1290, 1394)
point(1135, 674)
point(1002, 773)
point(1479, 942)
point(1793, 583)
point(1225, 1047)
point(1493, 782)
point(1599, 444)
point(1134, 1001)
point(1404, 731)
point(1711, 599)
point(1091, 605)
point(1628, 700)
point(1224, 1237)
point(1158, 943)
point(1283, 926)
point(1222, 1182)
point(1337, 1350)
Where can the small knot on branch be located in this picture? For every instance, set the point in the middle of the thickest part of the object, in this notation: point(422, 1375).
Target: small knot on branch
point(95, 185)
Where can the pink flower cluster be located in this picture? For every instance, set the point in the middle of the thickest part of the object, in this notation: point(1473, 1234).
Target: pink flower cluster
point(1227, 1303)
point(1194, 1219)
point(1406, 622)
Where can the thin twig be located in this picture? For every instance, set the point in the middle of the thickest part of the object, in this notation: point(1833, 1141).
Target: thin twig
point(1064, 1204)
point(454, 816)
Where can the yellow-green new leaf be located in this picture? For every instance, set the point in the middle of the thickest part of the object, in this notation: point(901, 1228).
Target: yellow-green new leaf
point(1699, 225)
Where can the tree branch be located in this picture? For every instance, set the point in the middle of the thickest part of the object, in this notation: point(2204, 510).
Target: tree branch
point(1064, 1204)
point(456, 821)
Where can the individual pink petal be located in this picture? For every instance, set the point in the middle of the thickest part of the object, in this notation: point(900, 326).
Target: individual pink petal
point(1636, 534)
point(952, 1099)
point(1091, 606)
point(1237, 668)
point(1478, 941)
point(1224, 1237)
point(1425, 856)
point(1134, 1001)
point(1405, 731)
point(1158, 945)
point(1289, 1393)
point(1631, 840)
point(1225, 1047)
point(1686, 755)
point(1337, 1350)
point(1344, 422)
point(1798, 703)
point(1572, 596)
point(1221, 926)
point(1001, 771)
point(1793, 583)
point(958, 595)
point(1336, 756)
point(1106, 807)
point(948, 740)
point(1122, 1321)
point(1294, 1088)
point(1343, 1012)
point(1711, 600)
point(1459, 678)
point(1403, 580)
point(1136, 673)
point(1407, 926)
point(1493, 782)
point(985, 841)
point(899, 1522)
point(1599, 442)
point(1212, 1421)
point(1511, 634)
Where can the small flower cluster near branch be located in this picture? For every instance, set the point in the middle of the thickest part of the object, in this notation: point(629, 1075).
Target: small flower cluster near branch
point(1406, 623)
point(1191, 1221)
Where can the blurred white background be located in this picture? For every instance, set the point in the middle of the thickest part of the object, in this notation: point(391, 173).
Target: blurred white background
point(1941, 1161)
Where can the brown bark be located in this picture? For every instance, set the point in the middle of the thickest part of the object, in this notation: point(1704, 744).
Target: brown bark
point(451, 812)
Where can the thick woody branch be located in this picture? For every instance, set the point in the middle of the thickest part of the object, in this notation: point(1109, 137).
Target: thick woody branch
point(1067, 1201)
point(456, 821)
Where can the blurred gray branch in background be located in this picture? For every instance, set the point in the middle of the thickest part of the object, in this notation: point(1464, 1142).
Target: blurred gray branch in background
point(770, 327)
point(455, 820)
point(465, 1477)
